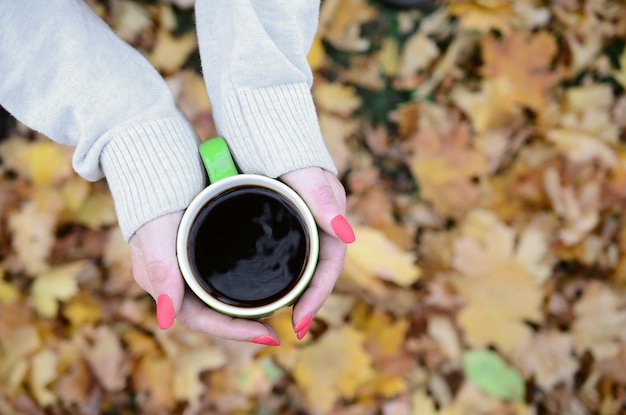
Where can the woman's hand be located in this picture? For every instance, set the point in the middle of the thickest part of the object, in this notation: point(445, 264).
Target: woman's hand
point(155, 266)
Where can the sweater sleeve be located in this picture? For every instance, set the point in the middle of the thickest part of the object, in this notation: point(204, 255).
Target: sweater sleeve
point(254, 59)
point(65, 73)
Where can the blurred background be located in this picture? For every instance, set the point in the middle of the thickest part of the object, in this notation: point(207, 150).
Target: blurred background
point(481, 144)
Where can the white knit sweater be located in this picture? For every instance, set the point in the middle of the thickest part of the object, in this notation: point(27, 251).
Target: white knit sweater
point(65, 73)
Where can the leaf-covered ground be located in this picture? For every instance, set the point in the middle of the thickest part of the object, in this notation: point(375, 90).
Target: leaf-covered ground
point(482, 148)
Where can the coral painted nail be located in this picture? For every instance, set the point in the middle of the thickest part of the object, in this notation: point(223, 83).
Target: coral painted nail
point(265, 340)
point(343, 229)
point(165, 312)
point(302, 328)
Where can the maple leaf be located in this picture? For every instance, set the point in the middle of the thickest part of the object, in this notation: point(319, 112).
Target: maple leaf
point(57, 284)
point(499, 282)
point(188, 366)
point(374, 257)
point(445, 167)
point(337, 98)
point(520, 65)
point(600, 321)
point(517, 75)
point(333, 367)
point(548, 357)
point(106, 358)
point(418, 52)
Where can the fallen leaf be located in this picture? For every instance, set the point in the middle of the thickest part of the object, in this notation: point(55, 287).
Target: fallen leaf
point(97, 211)
point(333, 367)
point(445, 167)
point(492, 375)
point(171, 52)
point(341, 21)
point(187, 385)
point(32, 236)
point(548, 358)
point(498, 285)
point(418, 52)
point(483, 16)
point(57, 284)
point(600, 321)
point(375, 257)
point(106, 358)
point(43, 371)
point(337, 98)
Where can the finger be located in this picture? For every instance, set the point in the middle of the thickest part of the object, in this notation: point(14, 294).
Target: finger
point(155, 266)
point(325, 196)
point(330, 264)
point(198, 317)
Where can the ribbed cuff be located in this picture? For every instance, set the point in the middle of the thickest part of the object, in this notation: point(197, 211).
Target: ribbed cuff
point(152, 169)
point(274, 130)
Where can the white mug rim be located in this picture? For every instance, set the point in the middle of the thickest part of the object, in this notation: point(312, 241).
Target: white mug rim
point(218, 188)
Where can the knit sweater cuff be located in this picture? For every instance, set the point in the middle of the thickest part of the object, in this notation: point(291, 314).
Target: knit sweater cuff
point(273, 130)
point(152, 169)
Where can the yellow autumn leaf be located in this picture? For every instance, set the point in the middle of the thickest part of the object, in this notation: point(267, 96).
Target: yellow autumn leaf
point(374, 257)
point(171, 52)
point(483, 16)
point(154, 376)
point(46, 163)
point(8, 292)
point(417, 53)
point(388, 57)
point(97, 211)
point(337, 98)
point(384, 336)
point(83, 309)
point(43, 371)
point(57, 284)
point(317, 54)
point(333, 367)
point(341, 21)
point(188, 366)
point(499, 285)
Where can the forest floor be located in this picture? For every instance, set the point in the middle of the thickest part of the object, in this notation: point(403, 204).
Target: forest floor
point(481, 145)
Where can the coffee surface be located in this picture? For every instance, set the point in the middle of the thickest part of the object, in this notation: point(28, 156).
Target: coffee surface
point(248, 247)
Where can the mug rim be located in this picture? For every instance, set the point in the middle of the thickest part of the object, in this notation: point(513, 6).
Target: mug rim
point(193, 210)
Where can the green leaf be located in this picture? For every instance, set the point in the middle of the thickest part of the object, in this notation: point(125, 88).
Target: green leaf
point(492, 375)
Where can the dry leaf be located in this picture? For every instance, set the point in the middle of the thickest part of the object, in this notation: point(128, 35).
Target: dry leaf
point(57, 284)
point(418, 53)
point(549, 358)
point(600, 324)
point(340, 23)
point(187, 385)
point(498, 283)
point(32, 236)
point(106, 358)
point(445, 167)
point(483, 16)
point(337, 98)
point(43, 371)
point(170, 52)
point(374, 257)
point(333, 367)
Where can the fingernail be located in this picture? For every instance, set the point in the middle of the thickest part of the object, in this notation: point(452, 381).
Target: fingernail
point(266, 340)
point(343, 229)
point(302, 328)
point(165, 312)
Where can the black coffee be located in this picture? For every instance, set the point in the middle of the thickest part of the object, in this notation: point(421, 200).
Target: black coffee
point(248, 247)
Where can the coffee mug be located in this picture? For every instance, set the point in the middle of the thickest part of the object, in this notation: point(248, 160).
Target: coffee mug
point(248, 244)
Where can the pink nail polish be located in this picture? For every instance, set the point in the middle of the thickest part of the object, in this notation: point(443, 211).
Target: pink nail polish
point(265, 340)
point(165, 312)
point(343, 229)
point(302, 328)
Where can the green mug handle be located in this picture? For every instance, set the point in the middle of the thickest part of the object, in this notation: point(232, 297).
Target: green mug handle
point(217, 159)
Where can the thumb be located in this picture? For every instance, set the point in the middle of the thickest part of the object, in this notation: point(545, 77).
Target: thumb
point(326, 198)
point(155, 266)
